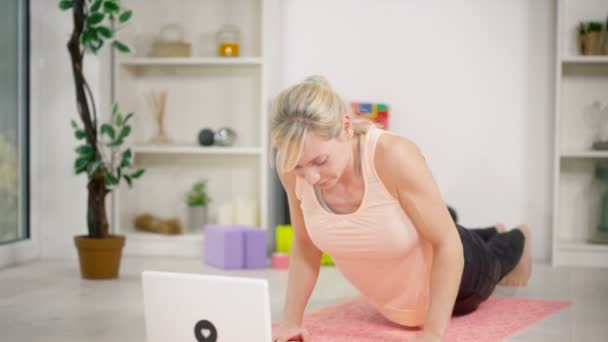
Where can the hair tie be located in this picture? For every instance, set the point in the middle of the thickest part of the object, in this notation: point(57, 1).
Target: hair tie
point(313, 79)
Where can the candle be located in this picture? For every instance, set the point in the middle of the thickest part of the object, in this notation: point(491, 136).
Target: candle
point(245, 212)
point(225, 214)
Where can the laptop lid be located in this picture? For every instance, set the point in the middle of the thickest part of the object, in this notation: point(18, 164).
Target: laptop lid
point(205, 308)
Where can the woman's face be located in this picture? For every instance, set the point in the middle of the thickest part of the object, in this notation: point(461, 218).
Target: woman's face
point(323, 162)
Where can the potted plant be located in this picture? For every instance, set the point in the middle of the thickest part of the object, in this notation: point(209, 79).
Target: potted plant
point(582, 30)
point(100, 155)
point(605, 44)
point(590, 37)
point(198, 201)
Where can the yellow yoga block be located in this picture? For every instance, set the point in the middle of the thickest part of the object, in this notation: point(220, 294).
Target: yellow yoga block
point(326, 260)
point(284, 238)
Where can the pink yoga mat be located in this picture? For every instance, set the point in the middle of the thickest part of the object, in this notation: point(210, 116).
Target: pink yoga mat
point(494, 320)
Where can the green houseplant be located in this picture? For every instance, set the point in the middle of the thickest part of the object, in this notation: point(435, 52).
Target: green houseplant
point(100, 155)
point(589, 34)
point(198, 200)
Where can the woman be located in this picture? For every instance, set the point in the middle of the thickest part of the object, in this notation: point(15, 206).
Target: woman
point(367, 198)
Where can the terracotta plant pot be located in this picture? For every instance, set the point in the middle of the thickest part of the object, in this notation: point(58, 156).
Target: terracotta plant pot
point(99, 258)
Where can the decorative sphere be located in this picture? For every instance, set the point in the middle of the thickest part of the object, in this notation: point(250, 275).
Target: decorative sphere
point(206, 137)
point(225, 136)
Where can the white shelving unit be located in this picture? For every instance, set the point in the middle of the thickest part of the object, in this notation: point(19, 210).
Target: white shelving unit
point(200, 61)
point(580, 80)
point(584, 59)
point(194, 149)
point(204, 91)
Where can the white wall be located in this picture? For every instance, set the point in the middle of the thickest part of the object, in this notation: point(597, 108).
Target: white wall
point(470, 81)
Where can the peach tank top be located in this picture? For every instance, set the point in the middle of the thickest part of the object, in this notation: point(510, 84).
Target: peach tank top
point(377, 248)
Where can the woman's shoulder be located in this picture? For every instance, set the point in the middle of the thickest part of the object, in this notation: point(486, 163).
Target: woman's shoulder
point(397, 159)
point(394, 147)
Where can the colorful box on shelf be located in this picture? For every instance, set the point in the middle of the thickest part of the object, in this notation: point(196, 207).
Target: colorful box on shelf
point(377, 112)
point(284, 238)
point(235, 246)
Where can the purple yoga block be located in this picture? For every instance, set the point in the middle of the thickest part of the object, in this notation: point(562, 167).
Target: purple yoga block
point(255, 247)
point(224, 246)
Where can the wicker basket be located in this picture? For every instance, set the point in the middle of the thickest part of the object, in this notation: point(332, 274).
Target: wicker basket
point(170, 43)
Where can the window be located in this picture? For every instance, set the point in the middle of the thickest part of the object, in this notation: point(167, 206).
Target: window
point(14, 115)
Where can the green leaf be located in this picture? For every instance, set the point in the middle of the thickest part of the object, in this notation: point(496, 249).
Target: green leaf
point(124, 132)
point(110, 6)
point(95, 18)
point(96, 5)
point(127, 118)
point(66, 4)
point(594, 26)
point(125, 16)
point(116, 143)
point(84, 37)
point(93, 167)
point(198, 195)
point(85, 151)
point(109, 130)
point(105, 31)
point(121, 46)
point(93, 33)
point(80, 165)
point(126, 159)
point(74, 124)
point(137, 173)
point(97, 44)
point(119, 119)
point(128, 179)
point(115, 108)
point(79, 134)
point(109, 179)
point(89, 46)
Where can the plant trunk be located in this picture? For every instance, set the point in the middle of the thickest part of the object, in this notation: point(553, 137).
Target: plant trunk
point(97, 218)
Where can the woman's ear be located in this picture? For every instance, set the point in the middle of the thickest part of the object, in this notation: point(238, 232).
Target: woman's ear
point(347, 125)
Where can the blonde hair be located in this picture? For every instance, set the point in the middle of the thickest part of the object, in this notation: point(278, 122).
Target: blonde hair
point(309, 106)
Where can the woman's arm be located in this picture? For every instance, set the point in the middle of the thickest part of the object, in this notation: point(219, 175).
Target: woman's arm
point(304, 260)
point(415, 188)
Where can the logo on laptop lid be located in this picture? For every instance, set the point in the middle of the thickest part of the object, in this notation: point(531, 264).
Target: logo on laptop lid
point(205, 331)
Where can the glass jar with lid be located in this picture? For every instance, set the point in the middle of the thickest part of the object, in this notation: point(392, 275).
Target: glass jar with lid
point(228, 41)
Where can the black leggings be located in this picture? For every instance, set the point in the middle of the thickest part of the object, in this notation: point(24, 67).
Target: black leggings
point(488, 257)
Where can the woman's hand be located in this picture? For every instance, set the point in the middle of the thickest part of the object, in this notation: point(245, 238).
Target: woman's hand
point(286, 333)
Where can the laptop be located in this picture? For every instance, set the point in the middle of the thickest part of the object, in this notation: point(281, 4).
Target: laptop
point(205, 308)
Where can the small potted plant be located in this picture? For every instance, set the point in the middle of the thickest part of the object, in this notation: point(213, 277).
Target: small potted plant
point(605, 44)
point(198, 209)
point(592, 38)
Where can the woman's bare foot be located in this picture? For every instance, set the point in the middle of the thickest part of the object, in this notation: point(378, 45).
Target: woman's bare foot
point(520, 275)
point(501, 228)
